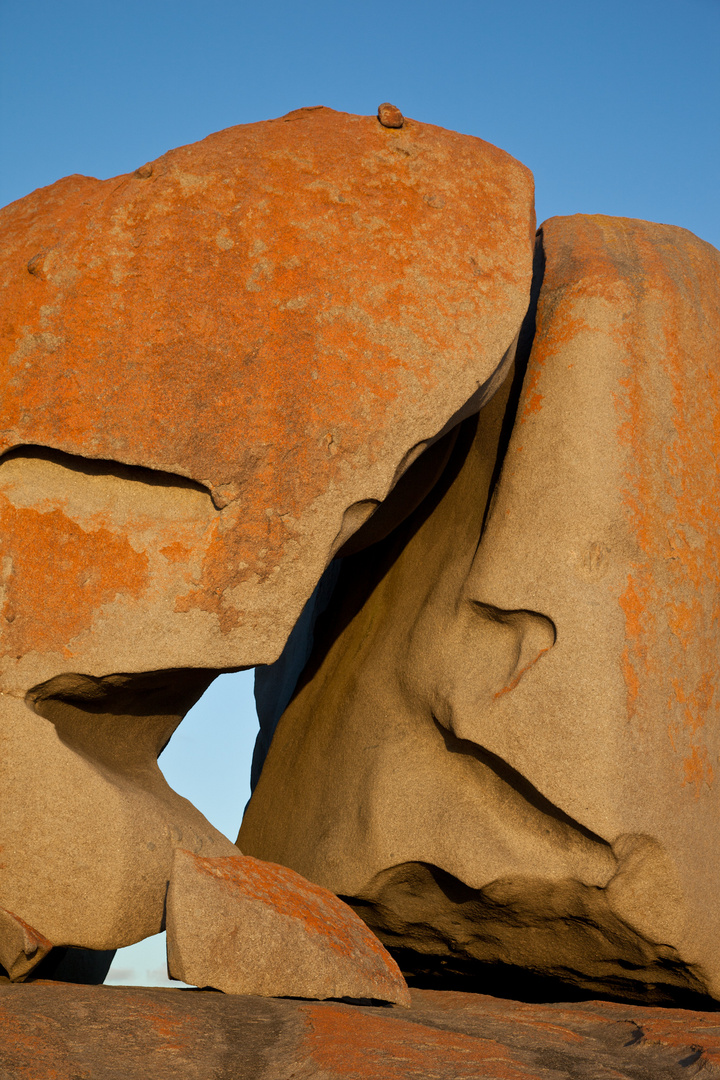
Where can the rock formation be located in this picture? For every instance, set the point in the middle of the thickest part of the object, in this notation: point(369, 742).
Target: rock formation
point(135, 1032)
point(285, 398)
point(502, 748)
point(213, 371)
point(289, 938)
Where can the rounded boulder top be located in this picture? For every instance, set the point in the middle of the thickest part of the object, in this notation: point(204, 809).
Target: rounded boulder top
point(280, 312)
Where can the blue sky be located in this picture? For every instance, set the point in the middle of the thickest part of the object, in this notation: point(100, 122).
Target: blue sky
point(615, 106)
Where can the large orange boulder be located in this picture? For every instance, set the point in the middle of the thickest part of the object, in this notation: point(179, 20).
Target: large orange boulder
point(284, 314)
point(212, 372)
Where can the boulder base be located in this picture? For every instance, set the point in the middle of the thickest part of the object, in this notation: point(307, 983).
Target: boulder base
point(119, 1033)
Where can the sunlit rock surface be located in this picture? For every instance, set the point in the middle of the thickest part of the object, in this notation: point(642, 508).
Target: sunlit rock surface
point(503, 747)
point(133, 1032)
point(213, 370)
point(282, 314)
point(244, 926)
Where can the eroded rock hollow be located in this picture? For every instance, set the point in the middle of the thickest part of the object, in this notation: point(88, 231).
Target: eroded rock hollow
point(502, 747)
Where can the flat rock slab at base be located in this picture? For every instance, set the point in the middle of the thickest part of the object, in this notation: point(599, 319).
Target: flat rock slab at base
point(72, 1032)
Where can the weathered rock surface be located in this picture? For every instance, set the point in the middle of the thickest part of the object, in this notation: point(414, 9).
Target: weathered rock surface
point(89, 823)
point(282, 314)
point(212, 371)
point(114, 1033)
point(247, 927)
point(502, 749)
point(21, 948)
point(606, 521)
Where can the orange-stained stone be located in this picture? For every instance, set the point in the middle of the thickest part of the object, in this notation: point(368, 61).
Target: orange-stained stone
point(51, 550)
point(281, 312)
point(212, 370)
point(347, 1045)
point(606, 520)
point(249, 927)
point(504, 747)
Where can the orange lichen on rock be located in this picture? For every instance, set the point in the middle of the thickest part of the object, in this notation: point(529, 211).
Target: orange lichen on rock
point(205, 365)
point(280, 312)
point(671, 489)
point(62, 1032)
point(536, 632)
point(77, 572)
point(349, 1045)
point(82, 545)
point(649, 296)
point(251, 927)
point(606, 520)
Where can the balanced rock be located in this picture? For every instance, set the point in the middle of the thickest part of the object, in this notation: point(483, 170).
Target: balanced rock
point(212, 372)
point(502, 749)
point(275, 321)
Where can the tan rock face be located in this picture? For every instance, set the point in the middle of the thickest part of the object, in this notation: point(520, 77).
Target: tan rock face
point(248, 927)
point(503, 747)
point(21, 947)
point(213, 370)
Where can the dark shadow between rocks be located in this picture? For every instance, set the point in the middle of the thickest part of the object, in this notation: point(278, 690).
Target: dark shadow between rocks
point(87, 466)
point(445, 935)
point(518, 984)
point(363, 561)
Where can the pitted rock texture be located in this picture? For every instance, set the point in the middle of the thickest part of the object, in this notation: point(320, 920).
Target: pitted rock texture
point(88, 822)
point(119, 1033)
point(282, 313)
point(247, 927)
point(605, 519)
point(502, 747)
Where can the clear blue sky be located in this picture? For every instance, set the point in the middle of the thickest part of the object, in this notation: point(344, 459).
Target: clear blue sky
point(615, 106)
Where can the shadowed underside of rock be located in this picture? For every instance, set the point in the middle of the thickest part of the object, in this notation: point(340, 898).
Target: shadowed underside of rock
point(502, 748)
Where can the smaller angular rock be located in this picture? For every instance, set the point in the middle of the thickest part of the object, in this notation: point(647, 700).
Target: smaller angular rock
point(21, 947)
point(244, 926)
